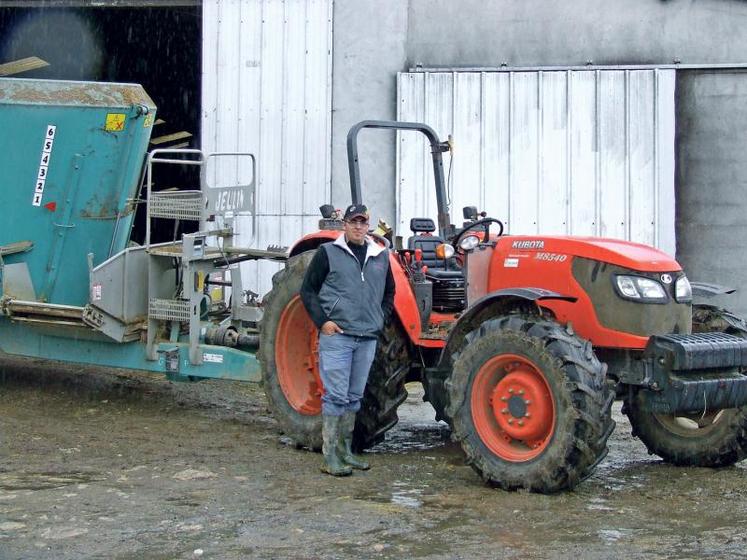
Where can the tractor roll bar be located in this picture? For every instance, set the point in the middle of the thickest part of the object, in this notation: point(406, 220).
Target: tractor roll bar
point(437, 148)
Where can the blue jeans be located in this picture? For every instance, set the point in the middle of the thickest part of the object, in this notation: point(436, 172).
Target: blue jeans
point(344, 363)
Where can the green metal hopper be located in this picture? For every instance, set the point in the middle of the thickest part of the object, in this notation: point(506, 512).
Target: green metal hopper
point(71, 155)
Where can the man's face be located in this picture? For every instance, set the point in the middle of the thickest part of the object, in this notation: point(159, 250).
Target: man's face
point(356, 229)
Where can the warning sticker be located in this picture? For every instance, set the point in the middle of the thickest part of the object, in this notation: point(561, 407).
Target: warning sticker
point(212, 358)
point(148, 122)
point(511, 263)
point(115, 122)
point(96, 292)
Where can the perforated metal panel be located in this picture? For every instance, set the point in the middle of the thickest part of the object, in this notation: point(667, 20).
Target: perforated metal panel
point(583, 152)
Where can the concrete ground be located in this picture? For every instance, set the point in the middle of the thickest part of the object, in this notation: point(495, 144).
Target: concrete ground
point(119, 465)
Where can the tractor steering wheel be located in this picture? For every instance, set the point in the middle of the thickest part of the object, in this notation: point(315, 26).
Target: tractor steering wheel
point(485, 222)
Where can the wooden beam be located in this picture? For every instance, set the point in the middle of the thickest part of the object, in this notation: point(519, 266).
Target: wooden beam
point(22, 65)
point(177, 146)
point(171, 138)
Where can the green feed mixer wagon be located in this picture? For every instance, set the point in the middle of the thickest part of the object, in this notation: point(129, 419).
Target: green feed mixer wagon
point(74, 167)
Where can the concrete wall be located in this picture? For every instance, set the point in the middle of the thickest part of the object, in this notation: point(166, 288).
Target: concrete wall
point(373, 39)
point(369, 49)
point(711, 180)
point(556, 32)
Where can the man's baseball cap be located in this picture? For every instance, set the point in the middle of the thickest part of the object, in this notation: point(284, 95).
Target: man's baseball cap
point(355, 211)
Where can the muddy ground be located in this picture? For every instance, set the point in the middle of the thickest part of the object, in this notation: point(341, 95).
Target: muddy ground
point(110, 465)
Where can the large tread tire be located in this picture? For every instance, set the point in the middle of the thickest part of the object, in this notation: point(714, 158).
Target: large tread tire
point(305, 429)
point(716, 439)
point(385, 390)
point(435, 393)
point(575, 390)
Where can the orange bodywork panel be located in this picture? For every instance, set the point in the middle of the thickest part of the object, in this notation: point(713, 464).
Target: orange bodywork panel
point(535, 262)
point(545, 262)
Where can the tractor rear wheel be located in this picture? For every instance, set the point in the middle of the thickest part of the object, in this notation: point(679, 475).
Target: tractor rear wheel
point(529, 404)
point(385, 389)
point(289, 358)
point(711, 439)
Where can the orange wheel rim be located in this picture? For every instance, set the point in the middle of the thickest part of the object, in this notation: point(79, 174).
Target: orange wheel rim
point(512, 407)
point(297, 359)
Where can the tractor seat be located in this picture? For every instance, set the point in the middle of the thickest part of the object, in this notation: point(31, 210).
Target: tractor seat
point(424, 240)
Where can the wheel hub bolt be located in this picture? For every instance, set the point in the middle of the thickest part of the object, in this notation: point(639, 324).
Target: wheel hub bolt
point(521, 391)
point(504, 399)
point(510, 390)
point(528, 401)
point(510, 420)
point(527, 415)
point(521, 422)
point(504, 411)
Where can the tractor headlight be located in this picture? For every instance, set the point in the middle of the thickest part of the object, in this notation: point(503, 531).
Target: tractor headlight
point(638, 288)
point(469, 243)
point(683, 293)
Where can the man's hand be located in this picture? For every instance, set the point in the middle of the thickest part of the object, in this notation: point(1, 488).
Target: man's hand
point(330, 327)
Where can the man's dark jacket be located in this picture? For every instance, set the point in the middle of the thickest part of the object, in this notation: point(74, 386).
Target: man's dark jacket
point(356, 291)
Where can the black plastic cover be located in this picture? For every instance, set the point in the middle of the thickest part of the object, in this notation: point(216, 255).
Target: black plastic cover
point(422, 225)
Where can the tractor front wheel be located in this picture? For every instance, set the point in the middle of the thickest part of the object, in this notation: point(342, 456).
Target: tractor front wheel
point(712, 438)
point(529, 404)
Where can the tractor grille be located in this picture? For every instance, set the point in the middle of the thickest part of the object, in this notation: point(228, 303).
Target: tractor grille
point(448, 295)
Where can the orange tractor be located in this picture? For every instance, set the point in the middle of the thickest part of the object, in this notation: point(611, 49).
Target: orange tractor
point(522, 344)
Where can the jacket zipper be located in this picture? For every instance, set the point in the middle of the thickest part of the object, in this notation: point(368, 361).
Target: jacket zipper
point(333, 307)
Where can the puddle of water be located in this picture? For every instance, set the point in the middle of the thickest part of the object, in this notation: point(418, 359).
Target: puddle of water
point(404, 495)
point(598, 504)
point(417, 429)
point(406, 437)
point(610, 535)
point(399, 494)
point(44, 480)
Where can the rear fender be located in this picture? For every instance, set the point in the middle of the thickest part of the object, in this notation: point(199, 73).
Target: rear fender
point(494, 304)
point(312, 241)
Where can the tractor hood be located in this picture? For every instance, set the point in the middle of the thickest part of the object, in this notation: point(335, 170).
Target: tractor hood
point(627, 254)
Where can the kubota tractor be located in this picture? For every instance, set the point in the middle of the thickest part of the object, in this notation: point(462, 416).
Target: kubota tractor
point(522, 343)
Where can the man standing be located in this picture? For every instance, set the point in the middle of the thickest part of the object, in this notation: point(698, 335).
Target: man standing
point(348, 292)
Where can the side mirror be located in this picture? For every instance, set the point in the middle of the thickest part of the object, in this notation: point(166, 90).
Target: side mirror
point(469, 212)
point(327, 211)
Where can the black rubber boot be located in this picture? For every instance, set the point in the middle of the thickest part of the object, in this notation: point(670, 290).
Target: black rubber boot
point(330, 435)
point(347, 425)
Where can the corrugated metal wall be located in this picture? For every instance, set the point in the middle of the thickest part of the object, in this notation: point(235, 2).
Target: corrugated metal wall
point(266, 89)
point(554, 152)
